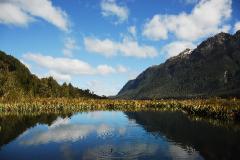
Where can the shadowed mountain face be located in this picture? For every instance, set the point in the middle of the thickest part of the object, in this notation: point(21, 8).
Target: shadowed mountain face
point(212, 69)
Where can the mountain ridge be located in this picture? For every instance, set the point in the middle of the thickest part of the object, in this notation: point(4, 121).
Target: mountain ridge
point(212, 69)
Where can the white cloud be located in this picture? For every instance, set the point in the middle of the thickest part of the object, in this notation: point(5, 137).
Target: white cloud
point(59, 76)
point(22, 12)
point(59, 121)
point(224, 28)
point(237, 26)
point(127, 47)
point(63, 69)
point(61, 65)
point(132, 31)
point(131, 48)
point(104, 131)
point(121, 69)
point(155, 29)
point(63, 131)
point(106, 46)
point(111, 8)
point(102, 88)
point(105, 69)
point(70, 46)
point(206, 18)
point(12, 14)
point(175, 48)
point(67, 133)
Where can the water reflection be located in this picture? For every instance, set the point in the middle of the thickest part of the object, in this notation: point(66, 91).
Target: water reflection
point(124, 150)
point(212, 141)
point(14, 125)
point(116, 135)
point(62, 130)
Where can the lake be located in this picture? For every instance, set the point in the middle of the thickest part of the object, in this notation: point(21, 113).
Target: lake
point(117, 135)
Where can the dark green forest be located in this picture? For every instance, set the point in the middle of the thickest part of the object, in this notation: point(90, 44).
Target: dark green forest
point(210, 70)
point(17, 82)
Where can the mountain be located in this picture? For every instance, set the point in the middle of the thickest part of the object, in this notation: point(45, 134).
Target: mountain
point(212, 69)
point(16, 81)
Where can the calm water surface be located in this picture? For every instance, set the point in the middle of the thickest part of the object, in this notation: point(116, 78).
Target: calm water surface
point(117, 135)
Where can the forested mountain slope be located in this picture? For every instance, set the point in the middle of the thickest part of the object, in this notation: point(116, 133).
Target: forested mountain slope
point(212, 69)
point(16, 81)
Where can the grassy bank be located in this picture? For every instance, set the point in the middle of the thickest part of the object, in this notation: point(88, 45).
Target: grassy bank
point(214, 108)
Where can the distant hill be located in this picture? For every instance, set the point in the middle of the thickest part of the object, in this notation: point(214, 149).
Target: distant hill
point(16, 81)
point(212, 69)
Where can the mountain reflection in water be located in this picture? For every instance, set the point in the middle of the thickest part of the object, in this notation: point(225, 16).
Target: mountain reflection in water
point(116, 135)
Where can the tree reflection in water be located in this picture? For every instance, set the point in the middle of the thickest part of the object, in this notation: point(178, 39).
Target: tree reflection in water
point(108, 135)
point(219, 141)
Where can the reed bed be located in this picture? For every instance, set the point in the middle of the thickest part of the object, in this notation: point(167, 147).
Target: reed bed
point(228, 109)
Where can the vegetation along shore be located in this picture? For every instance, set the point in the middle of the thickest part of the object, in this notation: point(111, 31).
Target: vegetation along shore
point(227, 109)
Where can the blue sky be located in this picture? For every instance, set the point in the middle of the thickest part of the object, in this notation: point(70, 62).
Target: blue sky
point(101, 44)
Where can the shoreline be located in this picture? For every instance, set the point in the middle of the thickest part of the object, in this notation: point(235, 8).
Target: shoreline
point(225, 109)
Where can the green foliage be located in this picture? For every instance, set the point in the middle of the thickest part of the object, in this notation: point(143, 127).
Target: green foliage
point(16, 83)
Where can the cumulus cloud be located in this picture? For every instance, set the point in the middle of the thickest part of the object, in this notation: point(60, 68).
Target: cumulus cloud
point(111, 8)
point(155, 29)
point(105, 69)
point(12, 14)
point(174, 48)
point(106, 46)
point(62, 68)
point(237, 26)
point(127, 47)
point(59, 76)
point(102, 88)
point(61, 65)
point(131, 48)
point(70, 46)
point(22, 12)
point(206, 18)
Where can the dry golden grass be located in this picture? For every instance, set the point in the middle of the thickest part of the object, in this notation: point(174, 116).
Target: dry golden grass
point(214, 108)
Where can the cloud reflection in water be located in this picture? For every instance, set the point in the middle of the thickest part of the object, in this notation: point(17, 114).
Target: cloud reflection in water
point(62, 131)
